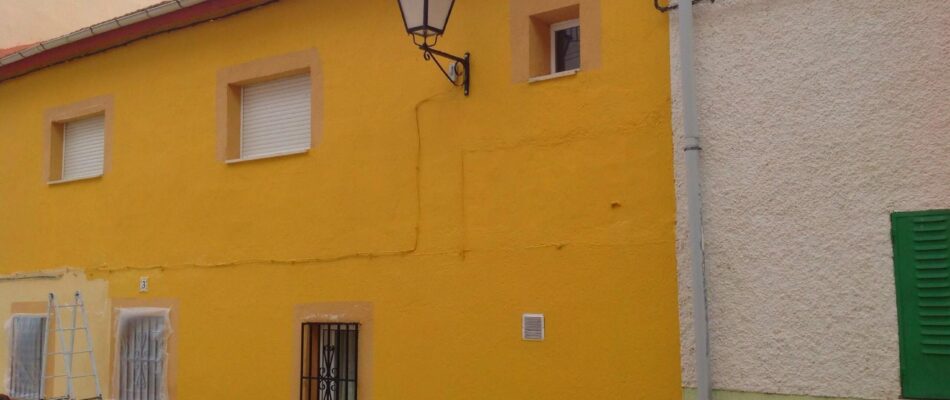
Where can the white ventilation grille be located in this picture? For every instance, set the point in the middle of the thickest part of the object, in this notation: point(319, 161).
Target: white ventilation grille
point(83, 147)
point(532, 327)
point(275, 117)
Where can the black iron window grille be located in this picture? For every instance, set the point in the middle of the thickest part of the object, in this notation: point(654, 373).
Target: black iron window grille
point(329, 361)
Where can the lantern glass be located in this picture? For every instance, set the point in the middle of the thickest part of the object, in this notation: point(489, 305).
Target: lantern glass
point(426, 17)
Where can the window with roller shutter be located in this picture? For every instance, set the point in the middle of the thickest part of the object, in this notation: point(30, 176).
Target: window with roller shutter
point(269, 107)
point(275, 117)
point(83, 148)
point(922, 274)
point(77, 137)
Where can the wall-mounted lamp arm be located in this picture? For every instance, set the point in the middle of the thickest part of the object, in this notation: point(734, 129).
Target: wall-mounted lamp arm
point(431, 54)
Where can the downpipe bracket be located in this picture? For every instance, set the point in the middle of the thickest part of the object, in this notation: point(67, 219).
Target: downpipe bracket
point(692, 144)
point(656, 4)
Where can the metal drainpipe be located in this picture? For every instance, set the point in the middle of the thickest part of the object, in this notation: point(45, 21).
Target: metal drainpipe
point(694, 199)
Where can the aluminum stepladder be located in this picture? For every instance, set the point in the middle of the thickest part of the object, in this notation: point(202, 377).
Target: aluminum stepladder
point(79, 309)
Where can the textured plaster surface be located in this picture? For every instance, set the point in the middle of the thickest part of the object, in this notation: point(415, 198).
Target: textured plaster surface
point(690, 394)
point(819, 118)
point(451, 215)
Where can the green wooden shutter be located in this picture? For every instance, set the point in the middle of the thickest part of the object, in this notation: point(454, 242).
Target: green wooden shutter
point(922, 272)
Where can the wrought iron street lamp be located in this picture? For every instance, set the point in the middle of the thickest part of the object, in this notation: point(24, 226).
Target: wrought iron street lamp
point(425, 20)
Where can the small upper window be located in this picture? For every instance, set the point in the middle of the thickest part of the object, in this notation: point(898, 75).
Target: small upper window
point(26, 350)
point(77, 140)
point(565, 46)
point(269, 107)
point(275, 117)
point(553, 41)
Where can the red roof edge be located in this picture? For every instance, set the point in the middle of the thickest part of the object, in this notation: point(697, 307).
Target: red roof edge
point(198, 13)
point(14, 49)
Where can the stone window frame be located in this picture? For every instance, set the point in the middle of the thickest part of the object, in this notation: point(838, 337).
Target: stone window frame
point(531, 41)
point(54, 121)
point(230, 80)
point(336, 312)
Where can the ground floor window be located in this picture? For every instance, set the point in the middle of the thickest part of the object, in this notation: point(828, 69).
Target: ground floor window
point(922, 273)
point(329, 361)
point(26, 350)
point(142, 353)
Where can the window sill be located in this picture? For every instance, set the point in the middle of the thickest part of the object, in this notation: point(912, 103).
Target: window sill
point(81, 178)
point(542, 78)
point(267, 156)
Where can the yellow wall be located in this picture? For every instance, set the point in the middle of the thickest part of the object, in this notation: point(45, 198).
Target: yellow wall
point(554, 197)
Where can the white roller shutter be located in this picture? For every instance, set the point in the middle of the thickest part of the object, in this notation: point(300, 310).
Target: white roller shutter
point(275, 117)
point(83, 147)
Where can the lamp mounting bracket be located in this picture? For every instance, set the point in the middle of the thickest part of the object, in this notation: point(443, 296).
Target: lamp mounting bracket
point(430, 53)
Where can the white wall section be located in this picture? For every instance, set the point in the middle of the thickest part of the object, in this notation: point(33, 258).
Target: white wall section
point(819, 119)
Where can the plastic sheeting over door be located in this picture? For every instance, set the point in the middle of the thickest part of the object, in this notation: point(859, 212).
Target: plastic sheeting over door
point(142, 354)
point(26, 339)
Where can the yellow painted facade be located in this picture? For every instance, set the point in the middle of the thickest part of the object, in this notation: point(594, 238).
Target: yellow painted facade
point(553, 197)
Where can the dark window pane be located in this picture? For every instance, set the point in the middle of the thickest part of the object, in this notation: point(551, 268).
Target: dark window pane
point(567, 52)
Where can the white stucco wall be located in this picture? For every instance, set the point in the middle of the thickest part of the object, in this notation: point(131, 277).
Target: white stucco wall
point(30, 21)
point(819, 118)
